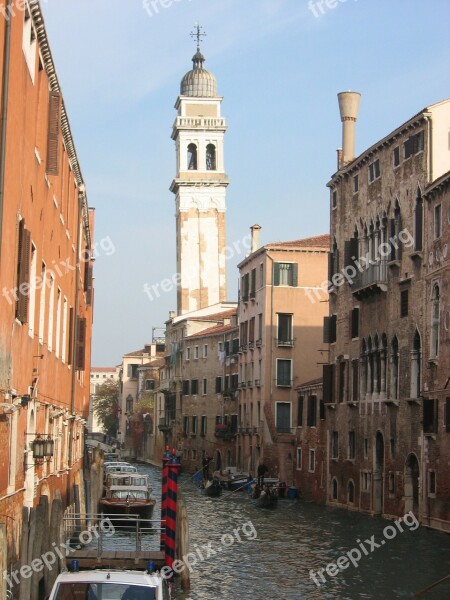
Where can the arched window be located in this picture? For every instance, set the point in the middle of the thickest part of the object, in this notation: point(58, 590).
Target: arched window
point(210, 157)
point(394, 369)
point(363, 371)
point(415, 365)
point(334, 489)
point(435, 310)
point(418, 220)
point(395, 227)
point(192, 157)
point(351, 492)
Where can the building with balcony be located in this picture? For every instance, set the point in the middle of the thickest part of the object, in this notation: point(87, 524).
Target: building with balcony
point(387, 273)
point(280, 346)
point(46, 245)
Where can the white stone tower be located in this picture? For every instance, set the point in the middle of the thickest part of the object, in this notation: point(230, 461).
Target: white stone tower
point(200, 190)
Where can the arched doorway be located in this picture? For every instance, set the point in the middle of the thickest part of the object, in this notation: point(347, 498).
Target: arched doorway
point(412, 484)
point(378, 474)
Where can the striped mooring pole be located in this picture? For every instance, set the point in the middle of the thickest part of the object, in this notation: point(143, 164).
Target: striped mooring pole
point(171, 510)
point(165, 471)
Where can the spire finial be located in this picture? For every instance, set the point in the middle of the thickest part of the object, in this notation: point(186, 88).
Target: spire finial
point(198, 33)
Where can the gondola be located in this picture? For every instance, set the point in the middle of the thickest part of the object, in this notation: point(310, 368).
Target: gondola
point(267, 499)
point(212, 488)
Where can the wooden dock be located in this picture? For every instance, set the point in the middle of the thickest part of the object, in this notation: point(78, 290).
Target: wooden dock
point(121, 559)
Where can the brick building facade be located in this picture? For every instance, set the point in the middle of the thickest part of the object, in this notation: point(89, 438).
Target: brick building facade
point(46, 246)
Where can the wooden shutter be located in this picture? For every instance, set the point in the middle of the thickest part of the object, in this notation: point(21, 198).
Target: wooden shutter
point(418, 229)
point(276, 273)
point(328, 384)
point(294, 274)
point(333, 328)
point(88, 284)
point(300, 402)
point(23, 273)
point(326, 330)
point(330, 265)
point(54, 122)
point(81, 344)
point(70, 349)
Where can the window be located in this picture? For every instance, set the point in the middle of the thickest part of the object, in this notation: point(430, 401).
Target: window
point(194, 454)
point(261, 275)
point(391, 482)
point(396, 156)
point(64, 331)
point(210, 157)
point(392, 447)
point(234, 381)
point(192, 157)
point(132, 371)
point(413, 145)
point(203, 425)
point(196, 352)
point(284, 335)
point(194, 424)
point(355, 322)
point(23, 273)
point(329, 329)
point(404, 303)
point(335, 444)
point(321, 410)
point(253, 283)
point(185, 425)
point(328, 383)
point(365, 481)
point(149, 384)
point(218, 385)
point(283, 372)
point(351, 492)
point(356, 184)
point(342, 381)
point(312, 411)
point(374, 171)
point(188, 353)
point(285, 274)
point(429, 415)
point(245, 287)
point(205, 386)
point(355, 380)
point(220, 347)
point(334, 489)
point(435, 322)
point(186, 387)
point(194, 387)
point(51, 309)
point(205, 351)
point(251, 330)
point(432, 483)
point(437, 221)
point(234, 346)
point(418, 223)
point(299, 459)
point(351, 445)
point(333, 199)
point(58, 323)
point(312, 461)
point(283, 417)
point(300, 403)
point(366, 447)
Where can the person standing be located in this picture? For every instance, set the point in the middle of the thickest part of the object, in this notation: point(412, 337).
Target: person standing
point(262, 470)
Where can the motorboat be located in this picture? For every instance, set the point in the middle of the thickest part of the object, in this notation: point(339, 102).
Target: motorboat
point(118, 468)
point(125, 500)
point(110, 584)
point(127, 479)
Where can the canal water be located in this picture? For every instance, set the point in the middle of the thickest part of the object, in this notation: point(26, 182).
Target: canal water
point(263, 555)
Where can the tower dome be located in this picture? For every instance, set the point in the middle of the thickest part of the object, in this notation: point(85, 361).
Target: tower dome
point(198, 83)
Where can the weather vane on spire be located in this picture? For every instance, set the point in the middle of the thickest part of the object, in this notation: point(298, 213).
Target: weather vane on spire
point(198, 33)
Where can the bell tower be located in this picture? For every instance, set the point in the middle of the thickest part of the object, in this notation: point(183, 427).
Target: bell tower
point(200, 188)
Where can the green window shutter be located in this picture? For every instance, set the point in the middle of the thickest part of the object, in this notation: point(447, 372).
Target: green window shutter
point(276, 274)
point(295, 275)
point(54, 121)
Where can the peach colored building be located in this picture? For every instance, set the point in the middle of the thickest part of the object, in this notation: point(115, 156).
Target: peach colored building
point(46, 297)
point(280, 347)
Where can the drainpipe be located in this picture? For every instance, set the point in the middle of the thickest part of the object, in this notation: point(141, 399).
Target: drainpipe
point(4, 111)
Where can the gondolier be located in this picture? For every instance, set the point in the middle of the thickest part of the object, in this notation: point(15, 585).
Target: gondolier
point(262, 470)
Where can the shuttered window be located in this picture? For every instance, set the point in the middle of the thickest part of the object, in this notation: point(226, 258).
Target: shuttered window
point(328, 384)
point(186, 387)
point(312, 411)
point(355, 322)
point(54, 123)
point(88, 274)
point(70, 348)
point(329, 329)
point(418, 224)
point(300, 402)
point(23, 273)
point(218, 385)
point(404, 303)
point(285, 274)
point(351, 251)
point(81, 344)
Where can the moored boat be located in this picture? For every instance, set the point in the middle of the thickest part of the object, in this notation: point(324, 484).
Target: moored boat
point(212, 488)
point(268, 498)
point(128, 500)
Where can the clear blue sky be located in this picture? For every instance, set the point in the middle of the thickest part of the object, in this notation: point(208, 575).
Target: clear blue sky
point(279, 68)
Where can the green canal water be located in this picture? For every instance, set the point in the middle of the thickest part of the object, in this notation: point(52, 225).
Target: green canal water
point(243, 552)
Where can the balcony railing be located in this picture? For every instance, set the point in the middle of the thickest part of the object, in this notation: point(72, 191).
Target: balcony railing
point(288, 343)
point(372, 279)
point(200, 122)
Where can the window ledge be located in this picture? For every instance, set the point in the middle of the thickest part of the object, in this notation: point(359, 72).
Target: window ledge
point(352, 403)
point(417, 254)
point(433, 361)
point(394, 263)
point(350, 460)
point(331, 405)
point(417, 401)
point(430, 435)
point(391, 401)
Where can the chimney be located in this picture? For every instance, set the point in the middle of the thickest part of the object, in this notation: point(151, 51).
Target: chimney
point(255, 229)
point(348, 107)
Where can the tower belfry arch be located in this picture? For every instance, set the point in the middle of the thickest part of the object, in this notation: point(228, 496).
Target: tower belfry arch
point(199, 187)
